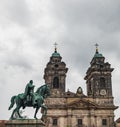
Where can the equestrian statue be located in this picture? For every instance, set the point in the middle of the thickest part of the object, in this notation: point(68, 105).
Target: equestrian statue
point(30, 99)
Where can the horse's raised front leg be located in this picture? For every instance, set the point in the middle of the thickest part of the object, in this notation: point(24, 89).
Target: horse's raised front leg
point(37, 108)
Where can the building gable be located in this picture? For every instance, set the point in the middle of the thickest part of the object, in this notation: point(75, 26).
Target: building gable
point(82, 104)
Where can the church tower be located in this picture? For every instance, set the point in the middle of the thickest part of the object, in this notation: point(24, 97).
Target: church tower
point(76, 109)
point(55, 74)
point(98, 77)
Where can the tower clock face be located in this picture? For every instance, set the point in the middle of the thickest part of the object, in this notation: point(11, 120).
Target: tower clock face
point(102, 92)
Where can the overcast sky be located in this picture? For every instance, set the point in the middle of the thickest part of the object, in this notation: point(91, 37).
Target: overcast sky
point(29, 28)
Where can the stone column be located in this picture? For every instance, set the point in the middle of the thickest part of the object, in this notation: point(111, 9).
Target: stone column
point(69, 114)
point(111, 121)
point(61, 122)
point(92, 121)
point(92, 118)
point(74, 121)
point(89, 119)
point(96, 121)
point(99, 121)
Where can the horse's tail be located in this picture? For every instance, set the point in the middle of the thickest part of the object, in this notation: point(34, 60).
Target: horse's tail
point(12, 102)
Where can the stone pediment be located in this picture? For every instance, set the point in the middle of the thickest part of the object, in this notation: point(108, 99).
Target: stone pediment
point(82, 103)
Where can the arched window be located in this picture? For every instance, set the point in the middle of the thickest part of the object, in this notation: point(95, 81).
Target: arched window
point(56, 82)
point(102, 82)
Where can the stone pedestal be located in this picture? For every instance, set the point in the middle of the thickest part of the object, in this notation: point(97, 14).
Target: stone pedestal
point(24, 123)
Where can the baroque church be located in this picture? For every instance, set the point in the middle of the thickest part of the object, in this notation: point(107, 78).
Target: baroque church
point(68, 109)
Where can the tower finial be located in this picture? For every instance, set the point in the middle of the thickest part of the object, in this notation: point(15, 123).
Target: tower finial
point(55, 46)
point(96, 45)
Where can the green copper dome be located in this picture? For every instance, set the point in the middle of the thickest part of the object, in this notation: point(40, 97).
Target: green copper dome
point(98, 55)
point(56, 54)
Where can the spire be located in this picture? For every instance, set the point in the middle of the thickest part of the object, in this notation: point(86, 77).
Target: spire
point(96, 45)
point(55, 54)
point(97, 54)
point(55, 44)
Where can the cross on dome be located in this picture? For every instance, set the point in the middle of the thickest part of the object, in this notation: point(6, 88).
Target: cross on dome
point(55, 44)
point(96, 45)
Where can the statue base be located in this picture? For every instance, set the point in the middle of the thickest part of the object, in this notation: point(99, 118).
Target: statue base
point(24, 123)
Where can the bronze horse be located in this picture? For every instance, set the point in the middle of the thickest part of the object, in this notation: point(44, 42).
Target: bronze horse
point(38, 97)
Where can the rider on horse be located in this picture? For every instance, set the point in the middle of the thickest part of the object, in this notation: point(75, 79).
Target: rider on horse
point(30, 99)
point(29, 94)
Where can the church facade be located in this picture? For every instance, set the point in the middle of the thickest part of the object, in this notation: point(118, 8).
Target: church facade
point(68, 109)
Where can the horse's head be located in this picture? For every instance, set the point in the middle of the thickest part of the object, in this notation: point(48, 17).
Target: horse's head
point(44, 91)
point(47, 91)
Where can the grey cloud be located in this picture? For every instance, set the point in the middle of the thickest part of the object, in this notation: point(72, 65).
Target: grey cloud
point(87, 23)
point(16, 57)
point(100, 13)
point(16, 11)
point(76, 25)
